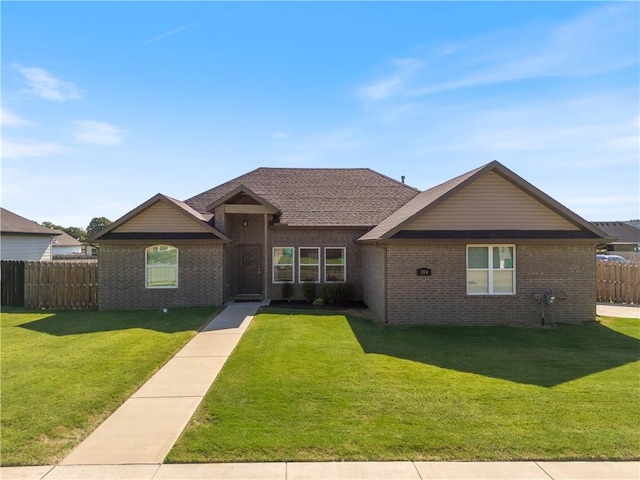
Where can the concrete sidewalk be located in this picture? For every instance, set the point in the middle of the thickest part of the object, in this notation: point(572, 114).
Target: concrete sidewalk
point(145, 427)
point(614, 310)
point(336, 471)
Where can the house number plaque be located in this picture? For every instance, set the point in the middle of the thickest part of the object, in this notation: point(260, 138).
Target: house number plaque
point(424, 272)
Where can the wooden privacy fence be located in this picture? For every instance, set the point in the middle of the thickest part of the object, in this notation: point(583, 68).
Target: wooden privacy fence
point(61, 285)
point(618, 282)
point(12, 283)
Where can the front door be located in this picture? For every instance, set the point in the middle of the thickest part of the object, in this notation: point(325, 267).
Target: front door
point(250, 270)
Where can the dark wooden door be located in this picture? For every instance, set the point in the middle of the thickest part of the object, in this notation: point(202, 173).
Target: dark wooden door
point(250, 270)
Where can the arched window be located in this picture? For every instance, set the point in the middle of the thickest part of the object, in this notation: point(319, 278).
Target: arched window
point(161, 266)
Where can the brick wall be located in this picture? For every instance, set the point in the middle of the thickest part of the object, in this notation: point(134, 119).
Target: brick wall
point(567, 270)
point(316, 237)
point(374, 280)
point(122, 277)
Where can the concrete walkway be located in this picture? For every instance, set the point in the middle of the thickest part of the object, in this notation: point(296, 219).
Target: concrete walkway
point(145, 427)
point(336, 471)
point(613, 310)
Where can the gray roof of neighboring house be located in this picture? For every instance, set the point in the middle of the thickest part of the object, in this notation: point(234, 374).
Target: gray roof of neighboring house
point(13, 223)
point(434, 196)
point(66, 240)
point(622, 231)
point(317, 196)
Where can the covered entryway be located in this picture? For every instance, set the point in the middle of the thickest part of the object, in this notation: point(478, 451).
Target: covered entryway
point(245, 217)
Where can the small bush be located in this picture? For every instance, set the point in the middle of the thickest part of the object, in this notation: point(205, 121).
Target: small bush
point(318, 302)
point(309, 291)
point(338, 294)
point(287, 291)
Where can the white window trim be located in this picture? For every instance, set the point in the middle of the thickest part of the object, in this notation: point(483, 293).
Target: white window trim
point(344, 264)
point(490, 269)
point(146, 268)
point(274, 265)
point(300, 265)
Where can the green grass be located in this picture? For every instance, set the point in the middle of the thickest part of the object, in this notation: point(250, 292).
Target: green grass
point(305, 387)
point(64, 372)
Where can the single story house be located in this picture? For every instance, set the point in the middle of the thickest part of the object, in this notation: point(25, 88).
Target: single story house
point(626, 237)
point(484, 248)
point(22, 239)
point(65, 244)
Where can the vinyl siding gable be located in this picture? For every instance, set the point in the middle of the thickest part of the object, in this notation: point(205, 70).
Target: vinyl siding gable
point(490, 203)
point(161, 217)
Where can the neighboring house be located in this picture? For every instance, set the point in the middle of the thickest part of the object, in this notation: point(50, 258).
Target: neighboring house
point(483, 248)
point(22, 239)
point(89, 250)
point(65, 244)
point(626, 237)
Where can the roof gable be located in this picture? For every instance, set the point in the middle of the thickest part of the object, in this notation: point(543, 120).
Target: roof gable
point(243, 195)
point(160, 217)
point(316, 196)
point(489, 198)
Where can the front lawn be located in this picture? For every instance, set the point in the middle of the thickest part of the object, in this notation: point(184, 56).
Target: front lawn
point(64, 372)
point(308, 387)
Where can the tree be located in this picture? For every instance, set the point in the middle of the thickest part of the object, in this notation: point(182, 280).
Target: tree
point(51, 226)
point(97, 224)
point(76, 232)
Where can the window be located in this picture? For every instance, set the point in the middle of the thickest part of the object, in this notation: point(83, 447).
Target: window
point(161, 266)
point(334, 264)
point(309, 264)
point(283, 264)
point(491, 270)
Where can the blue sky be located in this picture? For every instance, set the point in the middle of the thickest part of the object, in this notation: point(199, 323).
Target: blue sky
point(106, 104)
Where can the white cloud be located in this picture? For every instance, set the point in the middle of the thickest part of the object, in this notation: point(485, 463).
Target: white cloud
point(44, 85)
point(602, 40)
point(320, 147)
point(12, 150)
point(162, 36)
point(98, 133)
point(403, 70)
point(559, 131)
point(599, 41)
point(10, 119)
point(280, 135)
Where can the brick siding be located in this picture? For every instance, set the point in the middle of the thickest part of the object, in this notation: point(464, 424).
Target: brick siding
point(317, 237)
point(122, 277)
point(567, 270)
point(374, 279)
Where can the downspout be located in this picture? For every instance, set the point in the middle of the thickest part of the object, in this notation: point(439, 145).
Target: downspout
point(386, 286)
point(265, 261)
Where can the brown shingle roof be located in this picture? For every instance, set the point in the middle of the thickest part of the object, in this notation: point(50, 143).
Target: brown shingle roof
point(318, 196)
point(622, 231)
point(13, 223)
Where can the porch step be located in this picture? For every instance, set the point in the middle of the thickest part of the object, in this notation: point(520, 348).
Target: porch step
point(246, 298)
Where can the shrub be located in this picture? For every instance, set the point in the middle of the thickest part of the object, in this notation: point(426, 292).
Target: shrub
point(338, 294)
point(318, 302)
point(287, 291)
point(309, 291)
